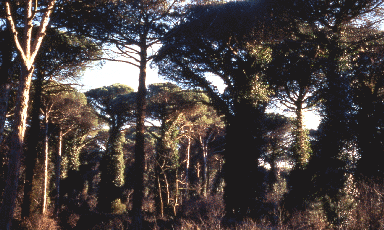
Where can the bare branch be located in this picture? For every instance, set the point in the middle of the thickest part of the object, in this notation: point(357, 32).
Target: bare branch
point(42, 29)
point(14, 32)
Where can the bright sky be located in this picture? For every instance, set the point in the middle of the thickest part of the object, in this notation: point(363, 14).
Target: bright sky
point(116, 72)
point(119, 72)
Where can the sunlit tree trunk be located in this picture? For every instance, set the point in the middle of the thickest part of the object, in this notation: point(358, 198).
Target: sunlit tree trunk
point(160, 205)
point(46, 162)
point(16, 145)
point(27, 49)
point(58, 170)
point(187, 167)
point(176, 193)
point(32, 147)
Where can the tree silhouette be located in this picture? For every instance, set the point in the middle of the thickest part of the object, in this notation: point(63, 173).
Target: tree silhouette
point(368, 99)
point(231, 47)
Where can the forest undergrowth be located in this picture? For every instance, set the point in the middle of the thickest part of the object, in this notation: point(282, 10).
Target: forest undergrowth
point(365, 211)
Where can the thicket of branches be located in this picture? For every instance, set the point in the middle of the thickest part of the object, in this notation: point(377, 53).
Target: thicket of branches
point(184, 154)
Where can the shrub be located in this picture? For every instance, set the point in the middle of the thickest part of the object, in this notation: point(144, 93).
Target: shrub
point(118, 207)
point(369, 211)
point(39, 222)
point(202, 213)
point(203, 208)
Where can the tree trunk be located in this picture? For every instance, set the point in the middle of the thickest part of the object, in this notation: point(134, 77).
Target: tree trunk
point(46, 161)
point(5, 90)
point(187, 167)
point(204, 148)
point(176, 193)
point(160, 205)
point(243, 149)
point(301, 148)
point(5, 82)
point(137, 221)
point(162, 198)
point(16, 145)
point(32, 148)
point(58, 171)
point(27, 50)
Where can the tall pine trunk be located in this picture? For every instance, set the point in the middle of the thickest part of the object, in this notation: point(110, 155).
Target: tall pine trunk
point(46, 162)
point(243, 148)
point(32, 147)
point(58, 171)
point(137, 222)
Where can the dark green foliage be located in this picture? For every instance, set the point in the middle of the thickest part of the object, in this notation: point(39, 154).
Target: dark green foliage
point(369, 109)
point(186, 57)
point(114, 105)
point(329, 25)
point(112, 167)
